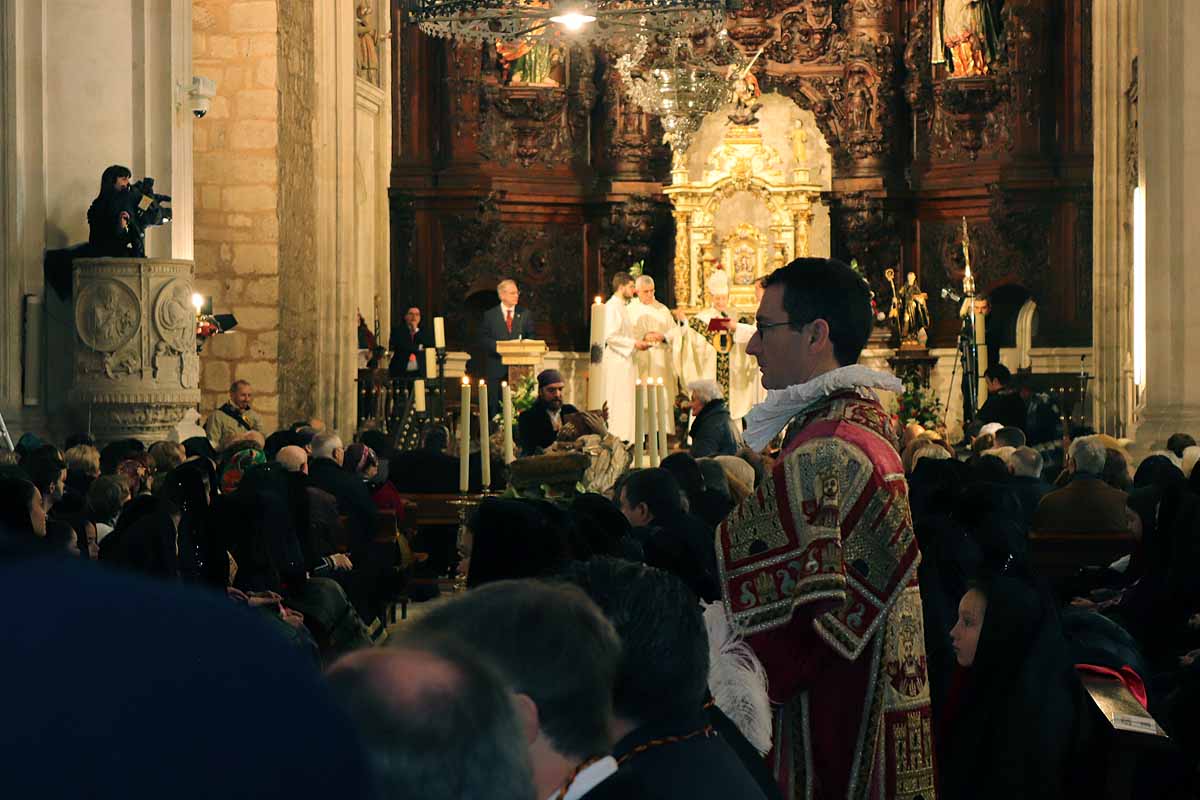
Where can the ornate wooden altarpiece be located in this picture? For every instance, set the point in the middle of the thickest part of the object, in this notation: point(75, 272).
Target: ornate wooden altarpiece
point(742, 162)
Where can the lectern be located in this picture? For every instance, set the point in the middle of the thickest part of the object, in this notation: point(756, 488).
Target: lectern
point(521, 356)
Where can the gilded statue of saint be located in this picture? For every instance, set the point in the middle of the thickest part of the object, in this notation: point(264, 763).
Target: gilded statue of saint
point(969, 36)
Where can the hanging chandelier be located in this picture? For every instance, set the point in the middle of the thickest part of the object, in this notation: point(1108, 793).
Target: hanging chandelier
point(563, 21)
point(680, 84)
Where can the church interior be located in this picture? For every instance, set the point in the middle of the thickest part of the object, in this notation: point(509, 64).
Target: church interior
point(1008, 178)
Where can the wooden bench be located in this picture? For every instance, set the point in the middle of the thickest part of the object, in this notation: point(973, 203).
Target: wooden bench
point(1125, 734)
point(1060, 554)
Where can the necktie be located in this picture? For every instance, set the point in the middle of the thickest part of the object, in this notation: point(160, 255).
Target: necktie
point(508, 320)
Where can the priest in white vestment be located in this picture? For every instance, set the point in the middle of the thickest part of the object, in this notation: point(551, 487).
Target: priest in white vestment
point(718, 352)
point(620, 346)
point(652, 321)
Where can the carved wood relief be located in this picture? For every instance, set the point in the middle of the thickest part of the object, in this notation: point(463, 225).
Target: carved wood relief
point(576, 172)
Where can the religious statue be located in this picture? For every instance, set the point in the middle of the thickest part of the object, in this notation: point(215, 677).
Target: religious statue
point(526, 63)
point(966, 35)
point(893, 314)
point(858, 93)
point(367, 55)
point(745, 91)
point(914, 315)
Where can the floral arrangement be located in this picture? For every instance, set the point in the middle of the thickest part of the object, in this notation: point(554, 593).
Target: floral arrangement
point(525, 394)
point(637, 269)
point(918, 404)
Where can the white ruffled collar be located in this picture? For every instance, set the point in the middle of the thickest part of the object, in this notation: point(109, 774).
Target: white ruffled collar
point(769, 417)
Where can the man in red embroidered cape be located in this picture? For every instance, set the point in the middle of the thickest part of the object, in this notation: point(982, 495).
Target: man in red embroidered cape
point(818, 567)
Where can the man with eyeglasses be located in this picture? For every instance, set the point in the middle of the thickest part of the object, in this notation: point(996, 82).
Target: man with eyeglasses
point(819, 565)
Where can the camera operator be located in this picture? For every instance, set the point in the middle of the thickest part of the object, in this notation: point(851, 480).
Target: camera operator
point(110, 217)
point(120, 214)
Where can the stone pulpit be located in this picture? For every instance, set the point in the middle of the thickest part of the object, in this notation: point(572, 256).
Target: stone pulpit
point(136, 370)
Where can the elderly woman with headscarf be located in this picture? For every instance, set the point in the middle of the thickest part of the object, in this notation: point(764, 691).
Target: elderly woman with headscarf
point(362, 461)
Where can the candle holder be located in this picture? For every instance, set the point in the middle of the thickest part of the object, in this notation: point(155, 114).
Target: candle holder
point(441, 417)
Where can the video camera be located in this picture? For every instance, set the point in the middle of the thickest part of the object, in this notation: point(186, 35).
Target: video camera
point(147, 208)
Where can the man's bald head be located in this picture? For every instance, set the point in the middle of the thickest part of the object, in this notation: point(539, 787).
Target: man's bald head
point(293, 458)
point(438, 722)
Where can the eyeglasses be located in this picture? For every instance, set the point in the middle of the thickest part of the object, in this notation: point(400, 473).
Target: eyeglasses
point(764, 327)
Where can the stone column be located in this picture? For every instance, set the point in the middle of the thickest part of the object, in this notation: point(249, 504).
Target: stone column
point(1169, 114)
point(136, 370)
point(1114, 176)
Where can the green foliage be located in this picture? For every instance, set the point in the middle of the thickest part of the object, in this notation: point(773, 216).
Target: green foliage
point(637, 269)
point(525, 394)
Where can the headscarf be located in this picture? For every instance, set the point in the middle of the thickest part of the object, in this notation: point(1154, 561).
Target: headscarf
point(144, 538)
point(136, 471)
point(359, 458)
point(512, 539)
point(16, 497)
point(235, 468)
point(201, 549)
point(199, 446)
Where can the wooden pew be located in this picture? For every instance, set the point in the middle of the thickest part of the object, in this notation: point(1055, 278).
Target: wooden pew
point(1123, 734)
point(1060, 554)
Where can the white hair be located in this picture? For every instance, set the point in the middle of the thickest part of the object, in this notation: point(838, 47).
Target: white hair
point(706, 389)
point(292, 457)
point(643, 281)
point(1001, 453)
point(324, 444)
point(1089, 454)
point(933, 451)
point(506, 282)
point(1026, 462)
point(991, 428)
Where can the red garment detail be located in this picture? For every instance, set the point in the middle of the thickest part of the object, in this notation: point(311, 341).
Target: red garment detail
point(1126, 675)
point(508, 320)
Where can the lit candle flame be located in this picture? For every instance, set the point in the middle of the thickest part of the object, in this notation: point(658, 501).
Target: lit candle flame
point(197, 301)
point(598, 300)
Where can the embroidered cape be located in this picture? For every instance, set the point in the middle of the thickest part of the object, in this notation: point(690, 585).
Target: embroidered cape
point(818, 568)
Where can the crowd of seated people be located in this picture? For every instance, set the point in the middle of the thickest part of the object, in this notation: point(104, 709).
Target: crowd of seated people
point(1012, 717)
point(585, 656)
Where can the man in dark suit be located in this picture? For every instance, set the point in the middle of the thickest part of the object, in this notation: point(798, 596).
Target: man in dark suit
point(1004, 404)
point(408, 346)
point(1087, 504)
point(354, 502)
point(1025, 464)
point(503, 323)
point(538, 425)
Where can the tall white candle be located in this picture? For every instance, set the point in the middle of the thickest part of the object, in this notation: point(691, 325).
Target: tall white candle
point(485, 447)
point(652, 425)
point(431, 364)
point(439, 331)
point(464, 438)
point(664, 414)
point(639, 424)
point(506, 396)
point(595, 392)
point(419, 395)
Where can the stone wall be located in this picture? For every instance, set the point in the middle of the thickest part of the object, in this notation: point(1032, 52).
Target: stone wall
point(236, 150)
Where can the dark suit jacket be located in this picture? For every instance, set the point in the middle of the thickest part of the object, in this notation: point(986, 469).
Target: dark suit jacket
point(1005, 407)
point(698, 768)
point(404, 344)
point(711, 431)
point(534, 429)
point(494, 330)
point(1084, 505)
point(433, 472)
point(1030, 492)
point(353, 499)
